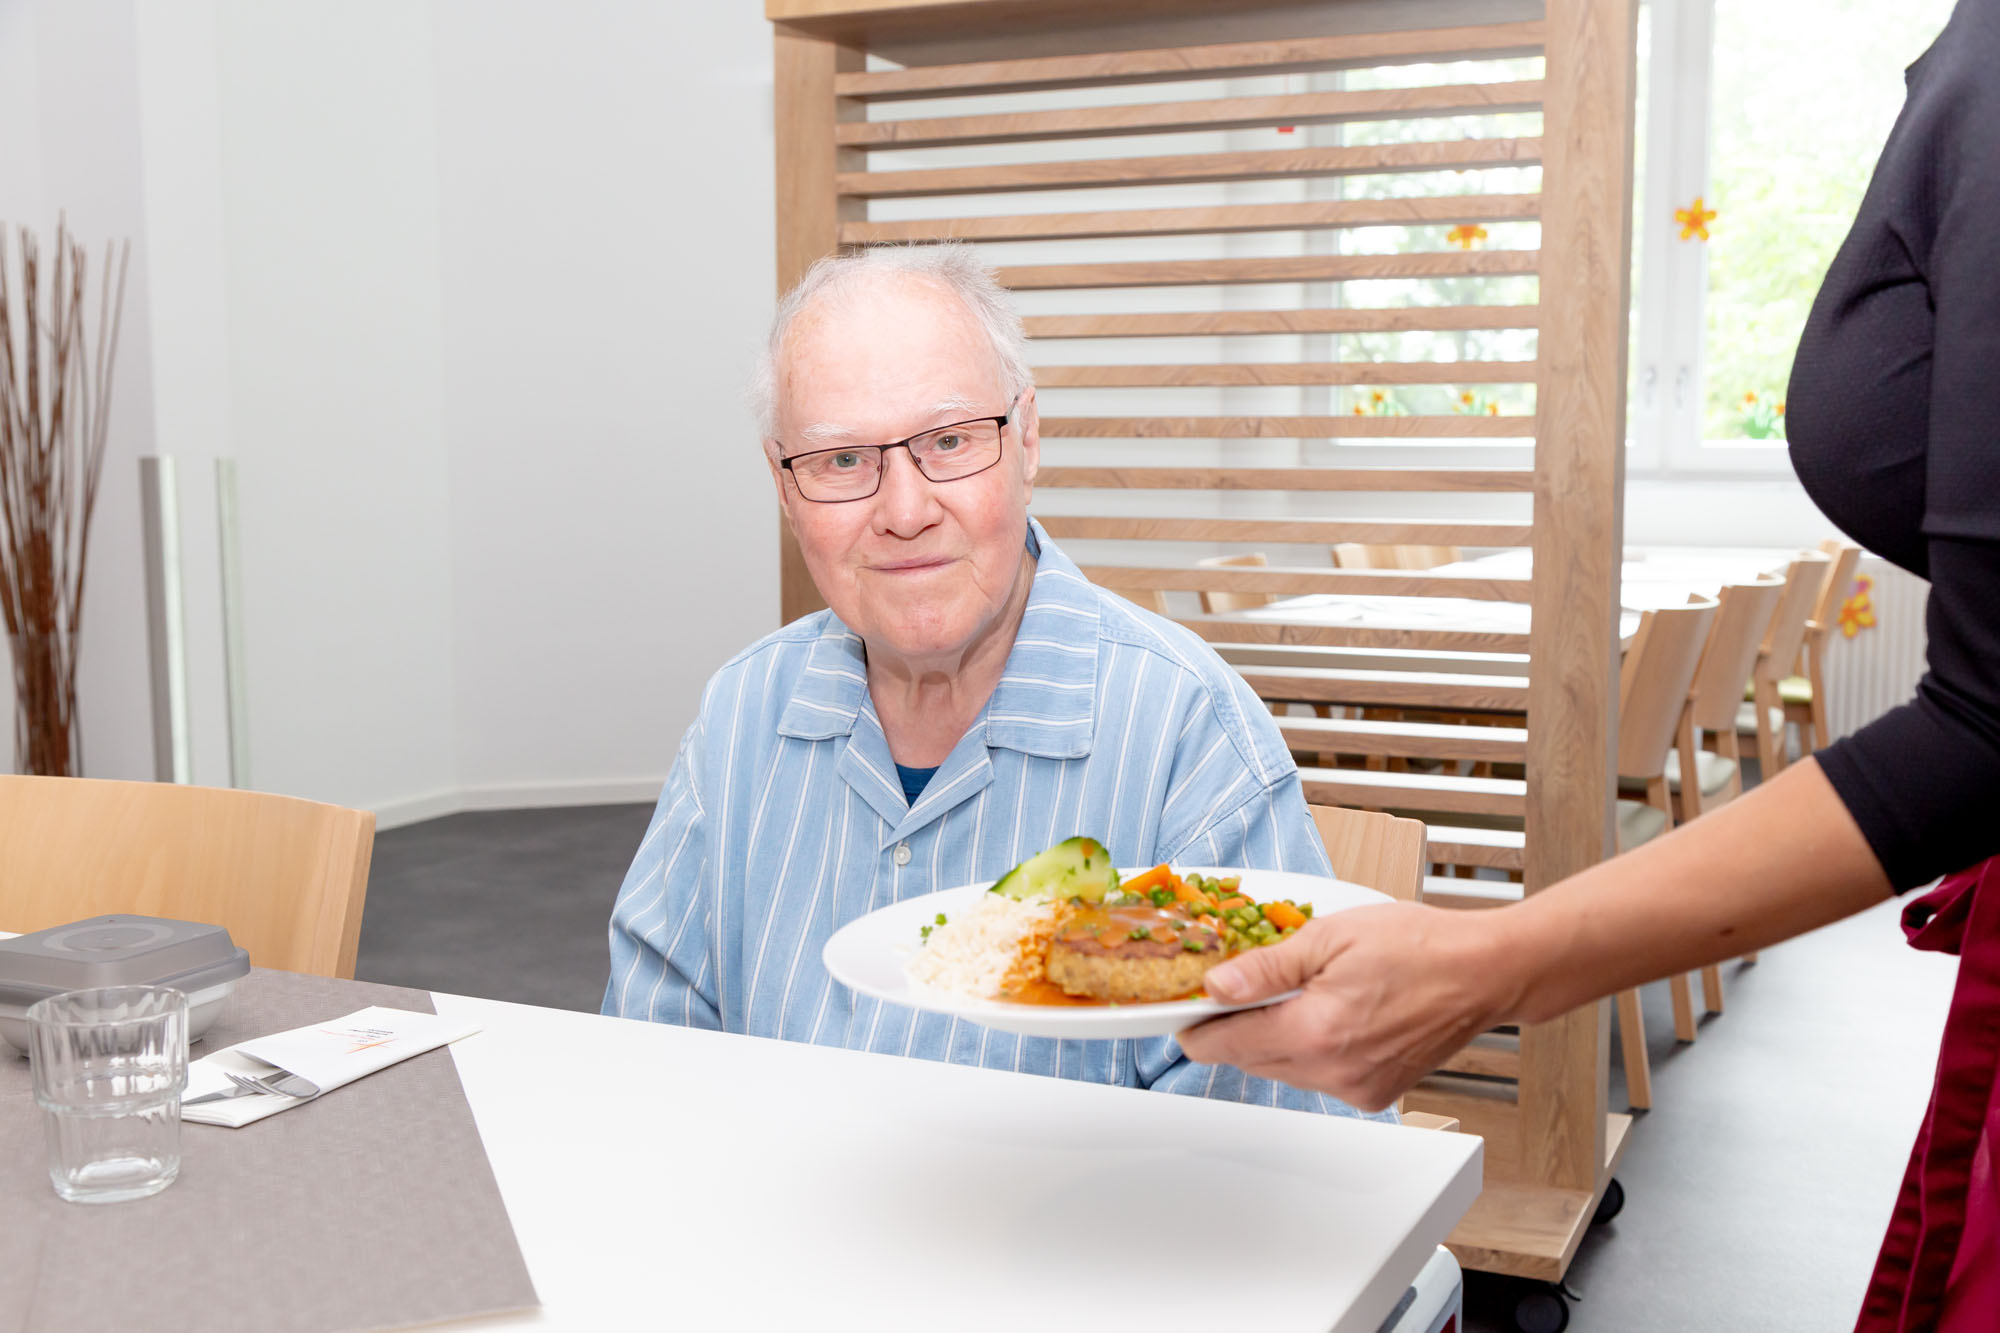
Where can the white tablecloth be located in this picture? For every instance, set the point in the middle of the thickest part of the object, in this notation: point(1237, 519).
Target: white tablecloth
point(662, 1177)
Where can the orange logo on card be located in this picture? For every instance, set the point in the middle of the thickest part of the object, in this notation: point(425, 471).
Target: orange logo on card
point(361, 1039)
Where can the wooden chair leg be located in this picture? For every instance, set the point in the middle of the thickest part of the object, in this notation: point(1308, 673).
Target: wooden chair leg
point(1690, 775)
point(1770, 743)
point(1683, 993)
point(1711, 989)
point(1821, 733)
point(1632, 1033)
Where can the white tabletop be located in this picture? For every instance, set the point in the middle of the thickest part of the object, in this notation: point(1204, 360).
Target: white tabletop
point(1650, 578)
point(1457, 614)
point(715, 1181)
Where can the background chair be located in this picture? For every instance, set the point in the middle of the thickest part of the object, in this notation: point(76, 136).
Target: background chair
point(1763, 715)
point(1699, 779)
point(1376, 851)
point(1652, 699)
point(1356, 555)
point(1383, 853)
point(1715, 777)
point(1803, 696)
point(1217, 603)
point(286, 877)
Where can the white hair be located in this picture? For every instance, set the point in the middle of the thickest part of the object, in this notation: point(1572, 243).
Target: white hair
point(952, 265)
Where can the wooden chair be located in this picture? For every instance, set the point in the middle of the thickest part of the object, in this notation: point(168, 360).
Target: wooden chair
point(1383, 853)
point(1762, 714)
point(1699, 779)
point(1653, 690)
point(1803, 696)
point(1377, 851)
point(1357, 555)
point(1217, 603)
point(287, 877)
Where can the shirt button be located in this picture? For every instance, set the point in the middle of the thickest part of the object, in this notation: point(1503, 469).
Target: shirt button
point(902, 853)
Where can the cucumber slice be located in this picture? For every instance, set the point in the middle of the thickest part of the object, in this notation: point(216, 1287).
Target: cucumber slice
point(1074, 868)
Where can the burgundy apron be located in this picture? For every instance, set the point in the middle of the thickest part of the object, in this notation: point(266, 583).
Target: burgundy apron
point(1940, 1261)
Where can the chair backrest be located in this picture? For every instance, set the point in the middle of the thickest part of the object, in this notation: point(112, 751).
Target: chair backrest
point(1374, 850)
point(1843, 558)
point(1788, 621)
point(1153, 599)
point(1653, 686)
point(1219, 602)
point(1357, 555)
point(286, 877)
point(1733, 644)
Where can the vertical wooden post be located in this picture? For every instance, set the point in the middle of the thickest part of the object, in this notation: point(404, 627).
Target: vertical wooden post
point(1578, 538)
point(809, 205)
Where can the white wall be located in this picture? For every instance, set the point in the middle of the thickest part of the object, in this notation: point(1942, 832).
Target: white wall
point(605, 182)
point(467, 290)
point(336, 362)
point(70, 143)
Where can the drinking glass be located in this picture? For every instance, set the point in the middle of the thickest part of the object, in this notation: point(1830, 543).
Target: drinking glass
point(109, 1066)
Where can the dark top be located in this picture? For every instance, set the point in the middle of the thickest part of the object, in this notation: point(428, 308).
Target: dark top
point(1894, 417)
point(914, 781)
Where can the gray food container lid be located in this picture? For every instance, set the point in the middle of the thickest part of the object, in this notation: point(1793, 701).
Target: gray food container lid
point(119, 950)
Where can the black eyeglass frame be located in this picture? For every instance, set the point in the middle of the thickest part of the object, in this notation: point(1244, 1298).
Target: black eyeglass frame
point(904, 444)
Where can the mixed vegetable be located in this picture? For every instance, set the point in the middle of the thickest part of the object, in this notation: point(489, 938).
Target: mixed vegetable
point(1220, 904)
point(1081, 870)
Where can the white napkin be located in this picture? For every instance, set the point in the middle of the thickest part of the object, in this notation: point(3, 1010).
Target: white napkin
point(331, 1054)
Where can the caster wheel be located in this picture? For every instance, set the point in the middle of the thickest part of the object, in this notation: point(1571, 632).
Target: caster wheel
point(1612, 1204)
point(1543, 1311)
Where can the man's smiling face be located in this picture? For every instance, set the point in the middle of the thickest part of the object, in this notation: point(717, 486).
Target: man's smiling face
point(922, 570)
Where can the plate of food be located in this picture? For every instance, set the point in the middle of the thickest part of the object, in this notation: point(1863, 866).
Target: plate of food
point(1068, 945)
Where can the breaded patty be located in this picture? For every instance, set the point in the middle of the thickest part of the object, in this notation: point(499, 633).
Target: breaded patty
point(1132, 955)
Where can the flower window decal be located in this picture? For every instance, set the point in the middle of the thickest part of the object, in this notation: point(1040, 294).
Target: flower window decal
point(1694, 220)
point(1858, 612)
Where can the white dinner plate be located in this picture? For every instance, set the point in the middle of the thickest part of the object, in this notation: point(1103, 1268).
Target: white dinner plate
point(869, 955)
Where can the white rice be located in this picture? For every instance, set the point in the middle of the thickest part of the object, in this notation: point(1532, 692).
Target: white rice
point(971, 952)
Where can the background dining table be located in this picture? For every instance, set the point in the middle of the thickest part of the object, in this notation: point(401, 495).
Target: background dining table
point(1650, 578)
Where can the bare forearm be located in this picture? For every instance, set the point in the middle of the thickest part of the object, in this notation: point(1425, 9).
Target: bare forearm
point(1775, 863)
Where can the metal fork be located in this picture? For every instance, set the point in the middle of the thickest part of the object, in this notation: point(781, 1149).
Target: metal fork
point(279, 1084)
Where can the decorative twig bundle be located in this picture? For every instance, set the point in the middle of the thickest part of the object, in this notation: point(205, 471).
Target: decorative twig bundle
point(55, 389)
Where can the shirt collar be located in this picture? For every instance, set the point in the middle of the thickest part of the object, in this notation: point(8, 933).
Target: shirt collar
point(1046, 701)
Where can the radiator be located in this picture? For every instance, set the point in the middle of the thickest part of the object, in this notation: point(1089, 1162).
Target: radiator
point(1879, 667)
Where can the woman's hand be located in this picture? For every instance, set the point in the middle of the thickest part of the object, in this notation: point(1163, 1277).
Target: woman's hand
point(1390, 992)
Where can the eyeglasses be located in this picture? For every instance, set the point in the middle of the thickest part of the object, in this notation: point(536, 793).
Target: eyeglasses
point(947, 453)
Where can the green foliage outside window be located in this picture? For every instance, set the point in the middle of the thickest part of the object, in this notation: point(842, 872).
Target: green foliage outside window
point(1803, 95)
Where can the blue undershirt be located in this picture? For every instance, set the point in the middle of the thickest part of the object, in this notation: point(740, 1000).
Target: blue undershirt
point(914, 780)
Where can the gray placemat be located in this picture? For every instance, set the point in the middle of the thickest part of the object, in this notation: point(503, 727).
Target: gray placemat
point(371, 1208)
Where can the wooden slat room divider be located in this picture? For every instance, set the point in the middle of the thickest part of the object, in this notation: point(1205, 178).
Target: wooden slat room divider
point(1319, 283)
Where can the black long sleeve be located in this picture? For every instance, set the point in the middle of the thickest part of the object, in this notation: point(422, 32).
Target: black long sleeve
point(1894, 416)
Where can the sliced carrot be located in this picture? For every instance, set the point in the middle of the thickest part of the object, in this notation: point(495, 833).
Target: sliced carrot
point(1284, 916)
point(1158, 877)
point(1238, 901)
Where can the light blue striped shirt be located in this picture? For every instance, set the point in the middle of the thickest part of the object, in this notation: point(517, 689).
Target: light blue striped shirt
point(783, 819)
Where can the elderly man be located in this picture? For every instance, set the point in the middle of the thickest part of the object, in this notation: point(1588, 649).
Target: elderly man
point(967, 699)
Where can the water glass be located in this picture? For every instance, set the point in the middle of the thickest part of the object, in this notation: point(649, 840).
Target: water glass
point(109, 1066)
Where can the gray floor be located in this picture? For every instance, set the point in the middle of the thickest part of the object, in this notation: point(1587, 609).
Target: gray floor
point(504, 904)
point(1757, 1186)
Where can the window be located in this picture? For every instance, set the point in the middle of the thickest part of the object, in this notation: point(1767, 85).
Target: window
point(1772, 113)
